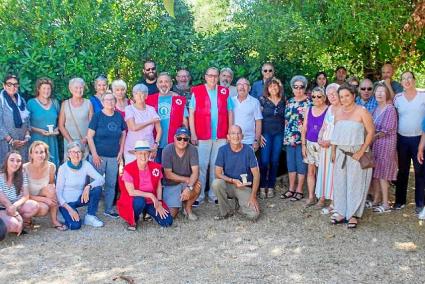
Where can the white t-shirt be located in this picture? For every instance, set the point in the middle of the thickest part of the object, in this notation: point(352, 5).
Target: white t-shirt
point(410, 114)
point(246, 113)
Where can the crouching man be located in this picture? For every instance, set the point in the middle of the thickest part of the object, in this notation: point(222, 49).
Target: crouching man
point(181, 170)
point(237, 177)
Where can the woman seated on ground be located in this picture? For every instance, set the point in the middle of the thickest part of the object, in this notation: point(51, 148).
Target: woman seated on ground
point(325, 171)
point(384, 147)
point(15, 206)
point(141, 189)
point(351, 138)
point(72, 190)
point(309, 135)
point(41, 182)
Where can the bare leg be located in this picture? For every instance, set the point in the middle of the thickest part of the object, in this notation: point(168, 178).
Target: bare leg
point(375, 190)
point(300, 183)
point(50, 192)
point(28, 210)
point(311, 181)
point(384, 190)
point(174, 212)
point(13, 224)
point(292, 176)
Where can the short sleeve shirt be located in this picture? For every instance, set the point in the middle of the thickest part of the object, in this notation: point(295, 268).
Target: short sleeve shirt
point(10, 191)
point(246, 112)
point(181, 166)
point(145, 182)
point(295, 111)
point(236, 163)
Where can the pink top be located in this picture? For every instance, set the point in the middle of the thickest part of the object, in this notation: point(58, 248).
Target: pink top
point(139, 116)
point(145, 182)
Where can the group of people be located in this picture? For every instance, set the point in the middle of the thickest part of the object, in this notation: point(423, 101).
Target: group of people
point(352, 138)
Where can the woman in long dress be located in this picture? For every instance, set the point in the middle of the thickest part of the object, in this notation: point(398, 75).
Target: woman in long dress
point(349, 144)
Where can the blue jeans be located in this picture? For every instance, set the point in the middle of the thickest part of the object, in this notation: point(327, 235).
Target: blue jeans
point(407, 149)
point(294, 160)
point(158, 157)
point(109, 168)
point(92, 204)
point(269, 157)
point(140, 206)
point(207, 152)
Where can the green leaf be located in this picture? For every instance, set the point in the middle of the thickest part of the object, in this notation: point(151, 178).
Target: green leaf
point(169, 6)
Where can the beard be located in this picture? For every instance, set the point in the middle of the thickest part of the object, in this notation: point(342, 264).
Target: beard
point(164, 90)
point(151, 75)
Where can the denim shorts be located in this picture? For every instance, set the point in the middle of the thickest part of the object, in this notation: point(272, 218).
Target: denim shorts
point(294, 159)
point(171, 195)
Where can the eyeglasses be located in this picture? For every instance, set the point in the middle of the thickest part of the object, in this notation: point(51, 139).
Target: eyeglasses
point(150, 69)
point(267, 70)
point(185, 139)
point(407, 78)
point(75, 152)
point(10, 85)
point(211, 75)
point(316, 97)
point(364, 89)
point(235, 133)
point(296, 87)
point(354, 85)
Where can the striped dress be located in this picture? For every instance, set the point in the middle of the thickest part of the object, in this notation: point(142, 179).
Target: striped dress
point(324, 183)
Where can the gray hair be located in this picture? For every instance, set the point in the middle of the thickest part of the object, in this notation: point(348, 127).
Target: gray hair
point(72, 145)
point(318, 90)
point(243, 79)
point(299, 78)
point(118, 83)
point(100, 78)
point(140, 88)
point(165, 74)
point(107, 94)
point(212, 68)
point(332, 86)
point(227, 69)
point(75, 81)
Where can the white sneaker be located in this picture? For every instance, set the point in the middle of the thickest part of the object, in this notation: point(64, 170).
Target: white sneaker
point(421, 214)
point(93, 221)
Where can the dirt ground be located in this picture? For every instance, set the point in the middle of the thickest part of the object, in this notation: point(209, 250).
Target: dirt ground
point(288, 244)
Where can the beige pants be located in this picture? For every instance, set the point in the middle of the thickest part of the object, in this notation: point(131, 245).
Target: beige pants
point(240, 197)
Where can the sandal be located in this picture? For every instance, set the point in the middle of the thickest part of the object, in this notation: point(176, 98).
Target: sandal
point(352, 225)
point(287, 194)
point(297, 196)
point(381, 209)
point(131, 228)
point(310, 202)
point(61, 227)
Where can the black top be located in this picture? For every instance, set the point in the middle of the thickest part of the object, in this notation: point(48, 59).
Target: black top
point(273, 116)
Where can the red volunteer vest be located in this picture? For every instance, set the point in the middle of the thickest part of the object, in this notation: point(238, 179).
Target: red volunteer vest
point(178, 104)
point(125, 201)
point(203, 112)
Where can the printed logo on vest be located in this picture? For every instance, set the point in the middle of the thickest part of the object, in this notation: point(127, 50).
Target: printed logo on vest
point(179, 102)
point(223, 91)
point(155, 172)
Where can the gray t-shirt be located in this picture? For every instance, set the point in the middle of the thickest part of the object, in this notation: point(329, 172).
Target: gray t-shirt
point(181, 166)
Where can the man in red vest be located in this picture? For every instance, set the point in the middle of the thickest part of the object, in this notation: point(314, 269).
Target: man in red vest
point(171, 109)
point(210, 115)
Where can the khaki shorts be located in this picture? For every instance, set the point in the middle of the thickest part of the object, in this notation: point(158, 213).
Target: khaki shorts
point(313, 153)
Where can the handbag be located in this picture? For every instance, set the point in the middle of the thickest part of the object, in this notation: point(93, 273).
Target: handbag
point(366, 161)
point(85, 150)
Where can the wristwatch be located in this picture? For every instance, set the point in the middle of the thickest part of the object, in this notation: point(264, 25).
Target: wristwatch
point(190, 187)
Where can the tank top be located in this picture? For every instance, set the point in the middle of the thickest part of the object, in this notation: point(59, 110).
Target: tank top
point(36, 185)
point(314, 125)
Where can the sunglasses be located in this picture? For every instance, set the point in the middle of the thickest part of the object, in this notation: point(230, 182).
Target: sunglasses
point(185, 139)
point(316, 97)
point(9, 84)
point(364, 89)
point(267, 70)
point(150, 69)
point(296, 87)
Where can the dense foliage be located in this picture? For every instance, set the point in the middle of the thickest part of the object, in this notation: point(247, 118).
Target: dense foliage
point(65, 38)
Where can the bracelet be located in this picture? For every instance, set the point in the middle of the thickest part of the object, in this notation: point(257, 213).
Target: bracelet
point(11, 141)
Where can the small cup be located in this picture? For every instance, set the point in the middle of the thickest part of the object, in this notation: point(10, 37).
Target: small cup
point(244, 178)
point(50, 127)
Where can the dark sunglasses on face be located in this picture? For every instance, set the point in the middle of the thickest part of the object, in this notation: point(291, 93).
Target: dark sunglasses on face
point(185, 139)
point(364, 89)
point(150, 69)
point(316, 97)
point(296, 87)
point(9, 84)
point(267, 70)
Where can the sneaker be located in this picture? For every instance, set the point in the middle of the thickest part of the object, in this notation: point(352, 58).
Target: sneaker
point(112, 215)
point(421, 214)
point(399, 206)
point(195, 204)
point(263, 193)
point(93, 221)
point(220, 217)
point(418, 210)
point(190, 216)
point(270, 193)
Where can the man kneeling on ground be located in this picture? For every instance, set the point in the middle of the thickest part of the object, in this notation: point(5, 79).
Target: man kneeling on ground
point(181, 169)
point(237, 177)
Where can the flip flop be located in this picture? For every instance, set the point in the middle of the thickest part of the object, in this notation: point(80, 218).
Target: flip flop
point(287, 194)
point(352, 225)
point(61, 228)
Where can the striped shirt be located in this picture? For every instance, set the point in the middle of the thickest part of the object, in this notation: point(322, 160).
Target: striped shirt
point(10, 191)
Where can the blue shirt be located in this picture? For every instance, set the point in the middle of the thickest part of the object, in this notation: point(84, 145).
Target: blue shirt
point(236, 163)
point(108, 133)
point(370, 105)
point(152, 88)
point(164, 112)
point(96, 104)
point(257, 89)
point(212, 94)
point(423, 125)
